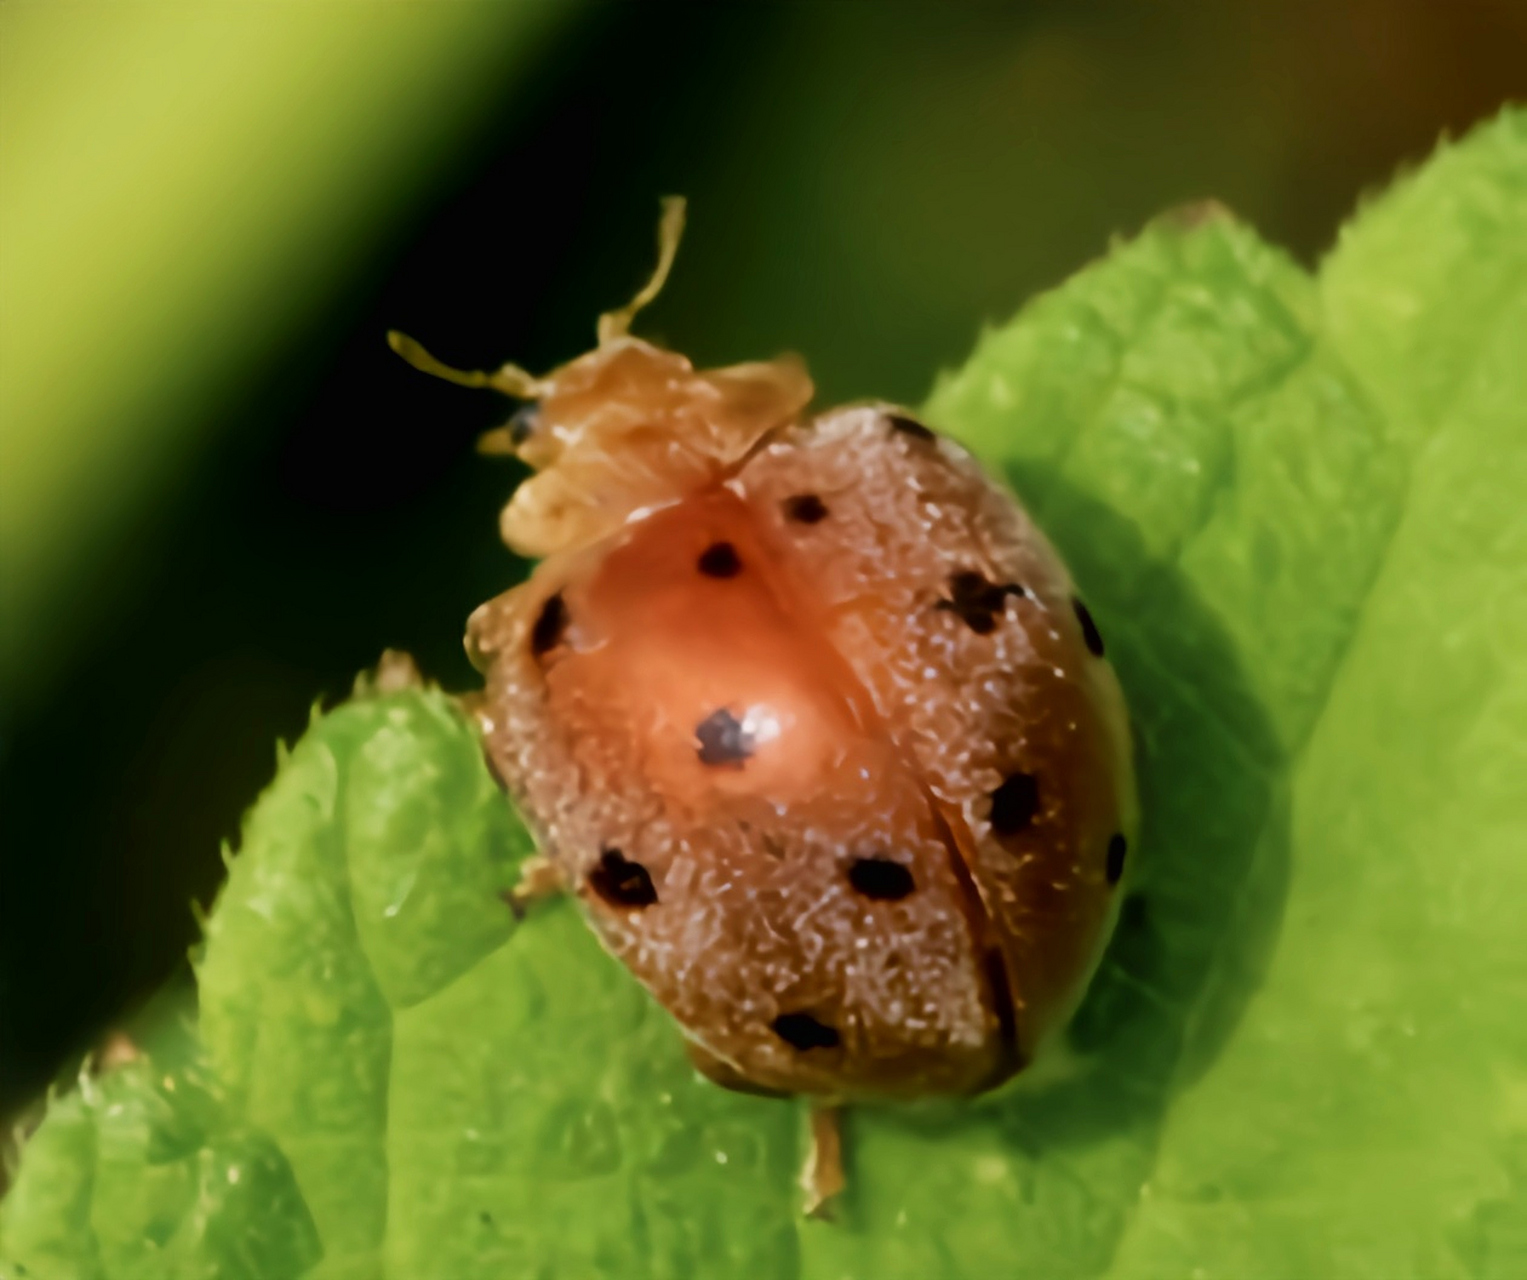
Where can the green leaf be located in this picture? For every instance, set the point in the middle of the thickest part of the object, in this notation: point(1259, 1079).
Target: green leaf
point(144, 1174)
point(573, 1137)
point(1294, 505)
point(369, 880)
point(1370, 1118)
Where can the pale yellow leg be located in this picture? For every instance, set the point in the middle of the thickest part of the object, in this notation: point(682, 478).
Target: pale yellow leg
point(540, 877)
point(822, 1178)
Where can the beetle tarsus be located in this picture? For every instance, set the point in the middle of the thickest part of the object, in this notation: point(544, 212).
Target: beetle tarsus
point(822, 1178)
point(540, 878)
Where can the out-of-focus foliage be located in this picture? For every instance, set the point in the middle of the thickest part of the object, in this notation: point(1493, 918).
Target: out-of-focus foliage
point(286, 133)
point(1294, 505)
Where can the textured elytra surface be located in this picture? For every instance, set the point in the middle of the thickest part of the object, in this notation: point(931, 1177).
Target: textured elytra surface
point(1294, 508)
point(778, 760)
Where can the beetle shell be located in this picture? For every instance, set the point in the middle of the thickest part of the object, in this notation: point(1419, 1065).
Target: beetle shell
point(813, 722)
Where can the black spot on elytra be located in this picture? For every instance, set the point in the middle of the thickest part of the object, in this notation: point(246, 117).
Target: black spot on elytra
point(719, 560)
point(1089, 629)
point(881, 879)
point(550, 625)
point(805, 508)
point(722, 739)
point(909, 427)
point(1114, 868)
point(1014, 804)
point(802, 1031)
point(621, 882)
point(977, 601)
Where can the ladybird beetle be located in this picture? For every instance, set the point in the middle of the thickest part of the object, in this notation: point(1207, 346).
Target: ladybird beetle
point(808, 714)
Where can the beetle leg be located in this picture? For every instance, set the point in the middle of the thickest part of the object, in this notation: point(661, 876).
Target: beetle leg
point(540, 877)
point(822, 1178)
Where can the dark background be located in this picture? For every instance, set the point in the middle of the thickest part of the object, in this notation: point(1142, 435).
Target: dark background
point(868, 183)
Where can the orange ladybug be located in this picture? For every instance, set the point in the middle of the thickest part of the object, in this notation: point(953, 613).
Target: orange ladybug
point(808, 714)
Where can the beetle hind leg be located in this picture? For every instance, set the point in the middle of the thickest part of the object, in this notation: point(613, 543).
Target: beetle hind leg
point(822, 1178)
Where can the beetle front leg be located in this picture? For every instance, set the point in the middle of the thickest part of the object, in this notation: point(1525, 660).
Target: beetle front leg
point(540, 878)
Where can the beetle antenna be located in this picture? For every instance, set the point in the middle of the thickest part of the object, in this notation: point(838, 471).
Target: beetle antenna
point(509, 379)
point(670, 230)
